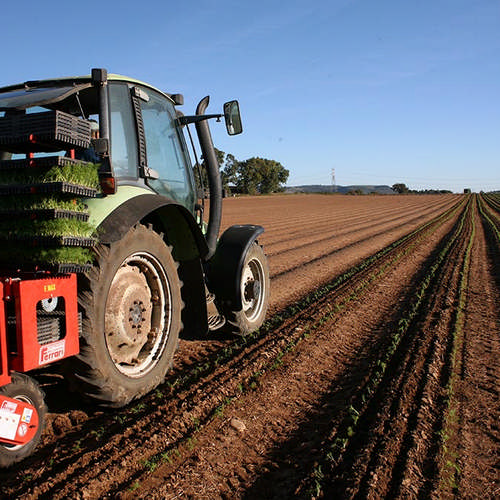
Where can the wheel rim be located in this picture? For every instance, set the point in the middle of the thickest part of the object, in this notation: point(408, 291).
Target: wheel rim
point(24, 399)
point(253, 289)
point(138, 314)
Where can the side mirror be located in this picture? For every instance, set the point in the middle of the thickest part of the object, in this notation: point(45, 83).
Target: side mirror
point(233, 118)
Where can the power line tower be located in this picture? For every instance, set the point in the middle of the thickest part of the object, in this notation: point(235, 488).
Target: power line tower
point(334, 185)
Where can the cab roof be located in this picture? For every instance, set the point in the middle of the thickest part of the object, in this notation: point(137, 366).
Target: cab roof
point(75, 80)
point(40, 92)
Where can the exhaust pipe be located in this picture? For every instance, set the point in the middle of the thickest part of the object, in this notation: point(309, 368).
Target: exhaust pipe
point(214, 180)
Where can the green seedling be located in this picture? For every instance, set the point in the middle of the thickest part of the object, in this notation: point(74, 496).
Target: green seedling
point(134, 486)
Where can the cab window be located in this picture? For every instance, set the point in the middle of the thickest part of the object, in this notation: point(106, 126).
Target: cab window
point(166, 151)
point(123, 133)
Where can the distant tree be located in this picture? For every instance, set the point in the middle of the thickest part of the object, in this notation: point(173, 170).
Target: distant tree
point(224, 160)
point(400, 188)
point(220, 156)
point(255, 175)
point(252, 176)
point(200, 177)
point(230, 171)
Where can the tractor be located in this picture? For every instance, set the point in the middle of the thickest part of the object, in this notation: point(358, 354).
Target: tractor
point(106, 256)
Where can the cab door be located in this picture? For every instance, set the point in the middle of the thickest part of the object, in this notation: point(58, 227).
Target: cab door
point(168, 162)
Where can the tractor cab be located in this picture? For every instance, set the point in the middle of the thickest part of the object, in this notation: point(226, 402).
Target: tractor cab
point(140, 140)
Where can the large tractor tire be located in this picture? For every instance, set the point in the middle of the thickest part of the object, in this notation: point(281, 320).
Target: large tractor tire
point(131, 304)
point(254, 285)
point(25, 389)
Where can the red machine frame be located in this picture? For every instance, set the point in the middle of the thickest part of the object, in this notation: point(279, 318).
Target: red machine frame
point(26, 293)
point(19, 420)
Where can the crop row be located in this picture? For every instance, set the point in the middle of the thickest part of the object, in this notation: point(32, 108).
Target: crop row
point(493, 200)
point(338, 441)
point(490, 212)
point(449, 469)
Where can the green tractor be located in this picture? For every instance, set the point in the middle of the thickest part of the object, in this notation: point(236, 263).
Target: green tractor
point(149, 269)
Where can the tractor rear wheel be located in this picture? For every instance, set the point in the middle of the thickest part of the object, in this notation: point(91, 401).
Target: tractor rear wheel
point(131, 304)
point(25, 389)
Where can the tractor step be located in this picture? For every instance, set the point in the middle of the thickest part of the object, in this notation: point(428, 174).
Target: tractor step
point(215, 320)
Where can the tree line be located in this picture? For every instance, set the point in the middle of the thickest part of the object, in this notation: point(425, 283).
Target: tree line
point(403, 189)
point(252, 176)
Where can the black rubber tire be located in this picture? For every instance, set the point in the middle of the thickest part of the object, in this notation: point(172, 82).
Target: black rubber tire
point(246, 320)
point(25, 389)
point(94, 373)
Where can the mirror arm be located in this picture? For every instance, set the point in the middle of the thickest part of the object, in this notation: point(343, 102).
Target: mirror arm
point(186, 120)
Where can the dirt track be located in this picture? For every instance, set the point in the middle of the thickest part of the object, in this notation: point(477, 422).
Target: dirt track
point(383, 310)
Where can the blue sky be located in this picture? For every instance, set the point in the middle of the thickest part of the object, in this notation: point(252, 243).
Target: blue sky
point(382, 91)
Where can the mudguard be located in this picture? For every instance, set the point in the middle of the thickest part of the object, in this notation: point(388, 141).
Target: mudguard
point(189, 248)
point(223, 270)
point(129, 213)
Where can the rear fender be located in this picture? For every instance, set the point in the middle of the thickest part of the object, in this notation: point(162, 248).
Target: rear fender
point(188, 244)
point(223, 270)
point(167, 216)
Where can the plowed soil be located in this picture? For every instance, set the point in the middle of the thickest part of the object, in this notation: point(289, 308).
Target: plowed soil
point(376, 374)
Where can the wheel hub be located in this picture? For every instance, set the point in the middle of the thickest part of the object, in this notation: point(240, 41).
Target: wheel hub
point(136, 311)
point(128, 315)
point(251, 288)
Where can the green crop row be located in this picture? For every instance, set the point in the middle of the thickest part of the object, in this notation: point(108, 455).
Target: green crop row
point(309, 300)
point(303, 333)
point(449, 470)
point(228, 352)
point(493, 200)
point(491, 218)
point(348, 427)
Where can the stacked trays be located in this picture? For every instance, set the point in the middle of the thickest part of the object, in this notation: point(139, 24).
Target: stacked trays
point(43, 132)
point(44, 223)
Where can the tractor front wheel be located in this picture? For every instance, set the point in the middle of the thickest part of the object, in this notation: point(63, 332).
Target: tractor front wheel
point(254, 288)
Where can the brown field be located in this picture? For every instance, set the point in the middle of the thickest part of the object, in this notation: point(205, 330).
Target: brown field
point(376, 375)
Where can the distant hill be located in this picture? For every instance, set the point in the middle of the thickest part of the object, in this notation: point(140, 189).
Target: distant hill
point(319, 188)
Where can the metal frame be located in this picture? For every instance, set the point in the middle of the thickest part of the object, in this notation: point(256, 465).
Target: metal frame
point(26, 294)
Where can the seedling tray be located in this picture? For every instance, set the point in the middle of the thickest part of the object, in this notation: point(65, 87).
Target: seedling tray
point(62, 268)
point(45, 214)
point(48, 188)
point(51, 241)
point(69, 268)
point(42, 162)
point(48, 131)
